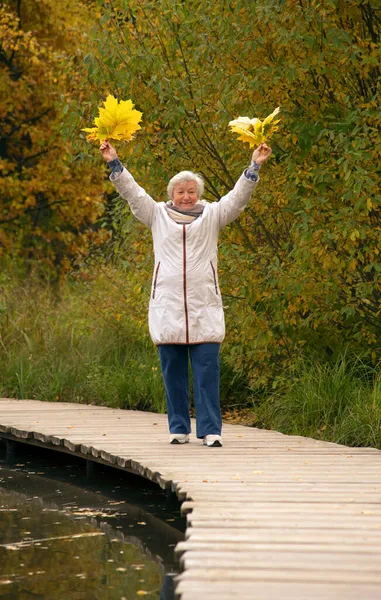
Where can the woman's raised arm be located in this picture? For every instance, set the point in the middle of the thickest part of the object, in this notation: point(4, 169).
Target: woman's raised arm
point(141, 204)
point(230, 206)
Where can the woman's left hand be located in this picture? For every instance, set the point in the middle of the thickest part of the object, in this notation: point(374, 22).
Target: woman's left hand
point(261, 154)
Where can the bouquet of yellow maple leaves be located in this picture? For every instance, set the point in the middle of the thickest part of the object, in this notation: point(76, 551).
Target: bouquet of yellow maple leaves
point(117, 120)
point(254, 131)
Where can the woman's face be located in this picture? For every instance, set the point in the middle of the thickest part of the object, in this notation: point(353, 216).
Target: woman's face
point(185, 195)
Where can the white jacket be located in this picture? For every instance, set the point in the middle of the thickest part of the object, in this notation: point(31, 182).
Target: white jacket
point(185, 305)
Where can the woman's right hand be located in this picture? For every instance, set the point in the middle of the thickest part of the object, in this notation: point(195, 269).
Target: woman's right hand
point(108, 151)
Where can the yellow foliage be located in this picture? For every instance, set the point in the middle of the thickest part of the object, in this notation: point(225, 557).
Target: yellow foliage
point(48, 201)
point(118, 121)
point(254, 131)
point(354, 235)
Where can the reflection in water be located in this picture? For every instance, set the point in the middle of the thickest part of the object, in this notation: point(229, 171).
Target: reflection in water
point(81, 540)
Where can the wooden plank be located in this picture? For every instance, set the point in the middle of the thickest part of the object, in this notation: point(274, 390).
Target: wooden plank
point(229, 508)
point(278, 535)
point(261, 574)
point(331, 522)
point(269, 590)
point(313, 561)
point(334, 546)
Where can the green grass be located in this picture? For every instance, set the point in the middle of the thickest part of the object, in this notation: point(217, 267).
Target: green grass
point(57, 350)
point(82, 348)
point(84, 344)
point(338, 401)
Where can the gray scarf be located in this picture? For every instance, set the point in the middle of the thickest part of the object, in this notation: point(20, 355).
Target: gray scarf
point(184, 216)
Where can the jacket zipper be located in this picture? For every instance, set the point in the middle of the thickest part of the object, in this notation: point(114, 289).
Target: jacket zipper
point(155, 281)
point(214, 277)
point(185, 286)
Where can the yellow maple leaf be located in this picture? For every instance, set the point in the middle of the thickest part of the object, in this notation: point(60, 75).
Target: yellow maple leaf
point(117, 120)
point(254, 131)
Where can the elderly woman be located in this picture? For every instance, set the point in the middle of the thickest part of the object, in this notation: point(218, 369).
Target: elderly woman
point(186, 316)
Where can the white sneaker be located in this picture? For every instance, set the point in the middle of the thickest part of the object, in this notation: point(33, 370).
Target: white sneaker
point(179, 438)
point(212, 440)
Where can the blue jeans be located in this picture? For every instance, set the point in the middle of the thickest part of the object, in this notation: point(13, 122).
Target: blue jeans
point(205, 361)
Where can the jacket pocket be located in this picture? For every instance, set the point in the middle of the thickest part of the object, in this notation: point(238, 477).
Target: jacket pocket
point(214, 278)
point(155, 280)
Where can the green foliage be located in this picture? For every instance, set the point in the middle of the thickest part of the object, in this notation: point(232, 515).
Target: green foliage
point(300, 270)
point(338, 401)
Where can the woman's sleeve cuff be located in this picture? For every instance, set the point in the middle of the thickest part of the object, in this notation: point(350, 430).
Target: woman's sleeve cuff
point(115, 165)
point(252, 172)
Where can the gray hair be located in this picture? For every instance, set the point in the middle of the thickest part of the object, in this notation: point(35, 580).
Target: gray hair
point(184, 176)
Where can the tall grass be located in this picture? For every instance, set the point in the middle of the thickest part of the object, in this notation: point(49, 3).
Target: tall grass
point(68, 350)
point(82, 344)
point(87, 343)
point(338, 401)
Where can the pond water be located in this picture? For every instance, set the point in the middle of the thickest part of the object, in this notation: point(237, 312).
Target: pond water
point(65, 537)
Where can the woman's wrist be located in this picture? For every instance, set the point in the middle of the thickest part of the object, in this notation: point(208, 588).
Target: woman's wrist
point(255, 166)
point(251, 172)
point(115, 165)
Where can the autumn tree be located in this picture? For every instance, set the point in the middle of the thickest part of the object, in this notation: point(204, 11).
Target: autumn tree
point(50, 205)
point(300, 269)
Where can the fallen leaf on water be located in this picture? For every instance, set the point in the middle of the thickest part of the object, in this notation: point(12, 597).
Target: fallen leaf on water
point(141, 593)
point(142, 523)
point(204, 481)
point(5, 581)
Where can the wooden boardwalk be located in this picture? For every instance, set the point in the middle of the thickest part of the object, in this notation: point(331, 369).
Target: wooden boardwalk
point(270, 516)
